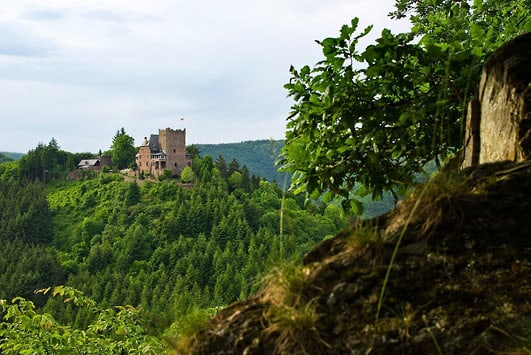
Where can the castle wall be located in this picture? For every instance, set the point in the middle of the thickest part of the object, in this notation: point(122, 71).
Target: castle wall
point(143, 159)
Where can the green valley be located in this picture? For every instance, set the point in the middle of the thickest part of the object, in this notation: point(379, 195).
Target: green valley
point(165, 248)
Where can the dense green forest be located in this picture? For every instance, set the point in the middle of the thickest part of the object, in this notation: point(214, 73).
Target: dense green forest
point(159, 246)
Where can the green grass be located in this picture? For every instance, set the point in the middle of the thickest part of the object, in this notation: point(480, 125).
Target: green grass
point(292, 319)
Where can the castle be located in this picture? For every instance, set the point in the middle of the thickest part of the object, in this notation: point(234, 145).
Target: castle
point(163, 151)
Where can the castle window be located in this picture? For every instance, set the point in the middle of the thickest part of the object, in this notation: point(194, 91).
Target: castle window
point(175, 164)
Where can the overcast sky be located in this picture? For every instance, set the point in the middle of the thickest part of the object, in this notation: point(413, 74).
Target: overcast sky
point(79, 70)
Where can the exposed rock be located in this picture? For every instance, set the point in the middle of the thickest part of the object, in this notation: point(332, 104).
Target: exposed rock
point(460, 282)
point(499, 124)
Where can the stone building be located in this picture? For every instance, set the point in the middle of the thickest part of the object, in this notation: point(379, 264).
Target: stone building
point(163, 151)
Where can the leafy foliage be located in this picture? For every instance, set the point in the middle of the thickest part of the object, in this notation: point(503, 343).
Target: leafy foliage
point(377, 117)
point(187, 175)
point(123, 150)
point(25, 268)
point(115, 330)
point(164, 249)
point(44, 163)
point(491, 21)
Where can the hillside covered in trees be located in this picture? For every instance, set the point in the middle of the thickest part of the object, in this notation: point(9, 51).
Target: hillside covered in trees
point(112, 264)
point(6, 156)
point(165, 248)
point(259, 156)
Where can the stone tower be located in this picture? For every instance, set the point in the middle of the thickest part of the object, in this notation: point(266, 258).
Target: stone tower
point(173, 143)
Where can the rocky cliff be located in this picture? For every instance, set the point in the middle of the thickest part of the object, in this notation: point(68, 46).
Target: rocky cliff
point(449, 272)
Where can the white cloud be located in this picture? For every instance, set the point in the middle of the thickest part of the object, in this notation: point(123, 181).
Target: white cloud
point(22, 43)
point(79, 70)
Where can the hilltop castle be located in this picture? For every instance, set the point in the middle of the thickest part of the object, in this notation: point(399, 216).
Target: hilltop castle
point(163, 151)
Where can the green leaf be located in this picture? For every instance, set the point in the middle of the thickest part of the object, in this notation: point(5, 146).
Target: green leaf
point(356, 207)
point(384, 114)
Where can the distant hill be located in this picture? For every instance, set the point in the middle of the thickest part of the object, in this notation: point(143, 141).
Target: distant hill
point(259, 156)
point(12, 155)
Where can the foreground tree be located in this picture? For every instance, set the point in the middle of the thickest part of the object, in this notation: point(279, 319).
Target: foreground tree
point(117, 330)
point(377, 117)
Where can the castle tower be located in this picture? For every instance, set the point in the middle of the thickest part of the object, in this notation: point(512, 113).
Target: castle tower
point(143, 158)
point(173, 143)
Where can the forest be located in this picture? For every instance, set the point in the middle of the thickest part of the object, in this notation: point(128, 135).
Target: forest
point(164, 248)
point(107, 264)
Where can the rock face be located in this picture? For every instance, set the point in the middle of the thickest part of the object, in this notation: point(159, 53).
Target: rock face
point(499, 122)
point(459, 282)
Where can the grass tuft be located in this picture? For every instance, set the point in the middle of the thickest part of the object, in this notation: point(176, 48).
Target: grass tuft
point(438, 200)
point(518, 337)
point(366, 233)
point(291, 318)
point(182, 334)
